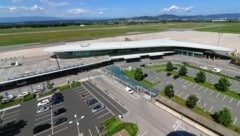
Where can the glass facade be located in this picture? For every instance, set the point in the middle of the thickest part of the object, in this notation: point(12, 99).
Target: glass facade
point(184, 52)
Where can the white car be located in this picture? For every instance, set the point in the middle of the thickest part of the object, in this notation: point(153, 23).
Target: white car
point(43, 102)
point(204, 67)
point(22, 94)
point(43, 109)
point(8, 98)
point(129, 90)
point(216, 70)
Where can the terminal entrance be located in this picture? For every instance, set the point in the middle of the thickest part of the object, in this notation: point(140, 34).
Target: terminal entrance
point(189, 53)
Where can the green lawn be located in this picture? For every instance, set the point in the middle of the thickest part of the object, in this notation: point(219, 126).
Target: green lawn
point(26, 35)
point(114, 125)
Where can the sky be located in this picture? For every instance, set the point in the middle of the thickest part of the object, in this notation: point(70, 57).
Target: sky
point(114, 8)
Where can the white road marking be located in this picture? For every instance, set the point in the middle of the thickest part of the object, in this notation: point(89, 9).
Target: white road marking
point(195, 86)
point(217, 94)
point(59, 130)
point(235, 120)
point(238, 103)
point(97, 129)
point(224, 97)
point(41, 122)
point(8, 113)
point(10, 120)
point(205, 90)
point(5, 111)
point(9, 117)
point(144, 133)
point(231, 100)
point(200, 88)
point(211, 109)
point(230, 108)
point(99, 117)
point(205, 104)
point(42, 117)
point(211, 93)
point(90, 132)
point(177, 125)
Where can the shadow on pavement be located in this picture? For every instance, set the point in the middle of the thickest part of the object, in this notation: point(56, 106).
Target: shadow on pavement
point(12, 128)
point(180, 133)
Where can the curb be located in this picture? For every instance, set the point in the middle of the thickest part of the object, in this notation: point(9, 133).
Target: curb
point(12, 107)
point(187, 120)
point(45, 97)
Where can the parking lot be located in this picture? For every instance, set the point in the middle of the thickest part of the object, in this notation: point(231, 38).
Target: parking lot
point(209, 100)
point(80, 117)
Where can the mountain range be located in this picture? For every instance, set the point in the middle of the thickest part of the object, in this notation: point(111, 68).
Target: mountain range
point(230, 16)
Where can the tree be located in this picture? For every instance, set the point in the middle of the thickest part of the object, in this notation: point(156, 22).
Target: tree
point(182, 71)
point(169, 66)
point(200, 77)
point(223, 84)
point(168, 90)
point(138, 74)
point(223, 117)
point(191, 101)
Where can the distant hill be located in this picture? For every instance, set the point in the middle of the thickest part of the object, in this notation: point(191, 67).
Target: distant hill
point(230, 16)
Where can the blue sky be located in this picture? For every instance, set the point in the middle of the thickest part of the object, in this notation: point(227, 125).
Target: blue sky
point(114, 8)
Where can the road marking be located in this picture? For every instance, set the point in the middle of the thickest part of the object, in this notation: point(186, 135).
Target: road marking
point(200, 88)
point(90, 132)
point(42, 117)
point(97, 129)
point(10, 120)
point(238, 103)
point(46, 97)
point(217, 94)
point(231, 100)
point(205, 90)
point(144, 133)
point(52, 119)
point(59, 131)
point(177, 125)
point(205, 104)
point(99, 117)
point(195, 86)
point(5, 111)
point(235, 120)
point(100, 111)
point(10, 116)
point(41, 122)
point(211, 93)
point(211, 109)
point(230, 108)
point(40, 114)
point(224, 97)
point(8, 113)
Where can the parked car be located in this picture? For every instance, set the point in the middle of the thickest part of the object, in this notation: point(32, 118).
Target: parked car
point(43, 109)
point(7, 98)
point(216, 70)
point(43, 102)
point(204, 67)
point(60, 120)
point(129, 90)
point(91, 101)
point(22, 94)
point(57, 96)
point(40, 128)
point(237, 76)
point(59, 111)
point(98, 107)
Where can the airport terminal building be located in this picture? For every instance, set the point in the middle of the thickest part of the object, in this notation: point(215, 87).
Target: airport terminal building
point(137, 49)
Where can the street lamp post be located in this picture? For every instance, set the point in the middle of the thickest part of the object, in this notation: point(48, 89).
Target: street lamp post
point(75, 116)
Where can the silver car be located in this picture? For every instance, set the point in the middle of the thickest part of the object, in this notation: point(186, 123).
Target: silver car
point(97, 108)
point(43, 109)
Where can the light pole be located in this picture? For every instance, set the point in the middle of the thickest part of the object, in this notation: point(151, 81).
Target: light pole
point(75, 116)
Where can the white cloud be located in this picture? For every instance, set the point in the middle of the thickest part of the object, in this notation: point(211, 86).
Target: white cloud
point(12, 9)
point(78, 11)
point(33, 8)
point(175, 8)
point(54, 4)
point(16, 1)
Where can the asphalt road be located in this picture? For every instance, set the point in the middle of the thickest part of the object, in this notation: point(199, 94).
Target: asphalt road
point(151, 120)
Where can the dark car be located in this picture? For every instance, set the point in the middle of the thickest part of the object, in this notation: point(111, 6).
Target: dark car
point(60, 120)
point(97, 108)
point(59, 111)
point(91, 101)
point(56, 101)
point(40, 128)
point(57, 96)
point(238, 76)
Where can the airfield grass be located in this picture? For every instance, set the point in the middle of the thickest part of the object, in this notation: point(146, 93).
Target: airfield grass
point(15, 36)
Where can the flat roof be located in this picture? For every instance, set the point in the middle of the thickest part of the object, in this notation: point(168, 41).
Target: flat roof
point(95, 46)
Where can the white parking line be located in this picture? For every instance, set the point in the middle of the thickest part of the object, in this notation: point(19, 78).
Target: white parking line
point(60, 130)
point(200, 88)
point(99, 117)
point(195, 86)
point(224, 97)
point(97, 129)
point(8, 117)
point(42, 117)
point(144, 133)
point(10, 120)
point(205, 104)
point(235, 120)
point(3, 114)
point(211, 109)
point(211, 93)
point(205, 90)
point(231, 100)
point(217, 94)
point(90, 132)
point(238, 103)
point(230, 108)
point(180, 94)
point(41, 122)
